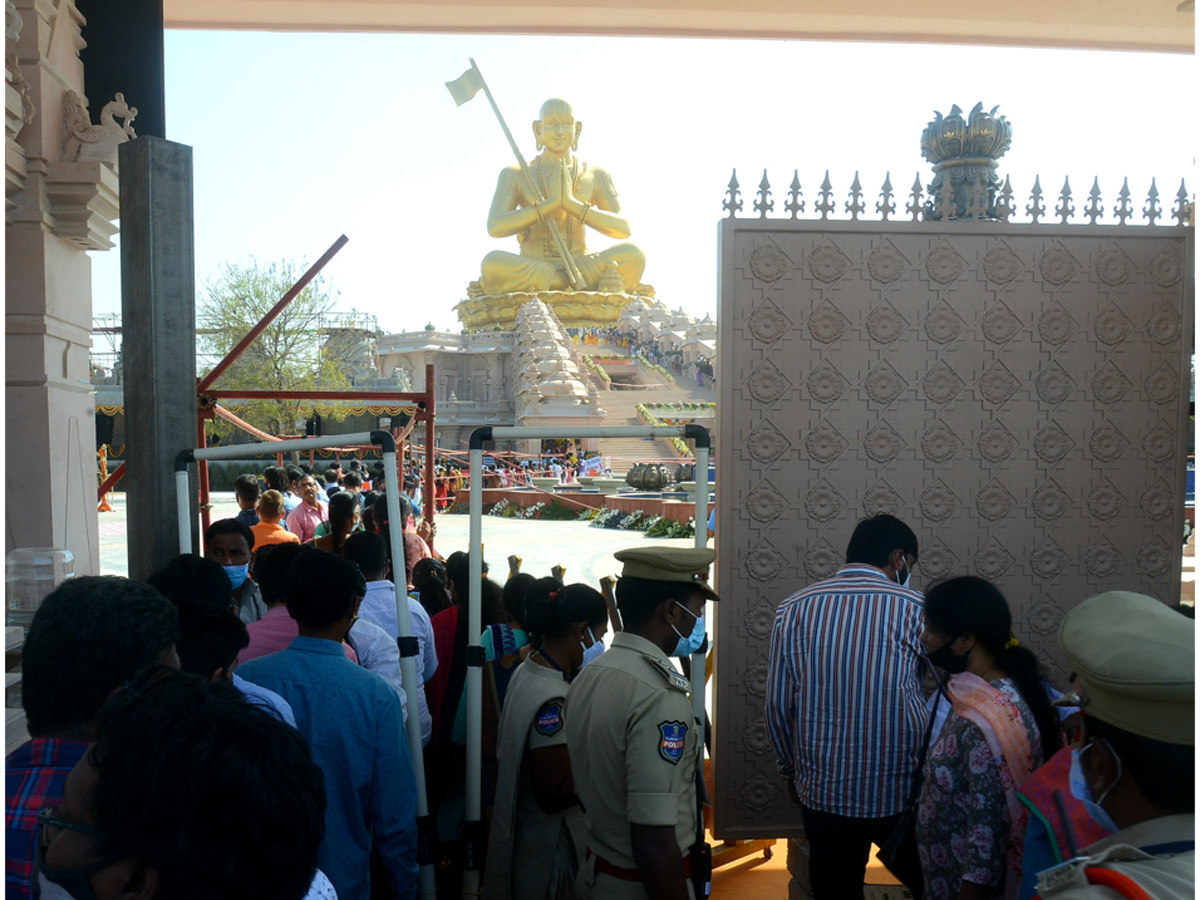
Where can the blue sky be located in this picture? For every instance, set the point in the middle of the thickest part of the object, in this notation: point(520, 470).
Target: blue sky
point(299, 138)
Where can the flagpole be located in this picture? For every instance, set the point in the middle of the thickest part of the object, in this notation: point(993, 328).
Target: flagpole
point(573, 273)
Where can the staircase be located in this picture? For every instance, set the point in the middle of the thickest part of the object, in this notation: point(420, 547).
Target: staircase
point(624, 453)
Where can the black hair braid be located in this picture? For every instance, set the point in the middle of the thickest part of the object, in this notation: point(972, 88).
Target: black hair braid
point(1022, 666)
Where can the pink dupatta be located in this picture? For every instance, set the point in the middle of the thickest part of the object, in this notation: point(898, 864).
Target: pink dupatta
point(1000, 721)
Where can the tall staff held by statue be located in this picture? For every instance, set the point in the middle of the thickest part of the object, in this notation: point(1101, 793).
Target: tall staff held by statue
point(464, 88)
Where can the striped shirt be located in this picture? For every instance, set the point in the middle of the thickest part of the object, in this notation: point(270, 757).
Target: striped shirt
point(845, 711)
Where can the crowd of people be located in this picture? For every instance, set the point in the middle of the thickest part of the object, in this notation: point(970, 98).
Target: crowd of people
point(286, 633)
point(699, 370)
point(235, 727)
point(919, 723)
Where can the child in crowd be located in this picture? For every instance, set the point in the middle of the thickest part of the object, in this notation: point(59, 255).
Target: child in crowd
point(245, 488)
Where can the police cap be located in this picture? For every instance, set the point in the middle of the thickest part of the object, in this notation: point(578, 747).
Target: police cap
point(1134, 658)
point(684, 564)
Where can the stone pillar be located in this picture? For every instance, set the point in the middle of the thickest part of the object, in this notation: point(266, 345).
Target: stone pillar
point(57, 207)
point(158, 309)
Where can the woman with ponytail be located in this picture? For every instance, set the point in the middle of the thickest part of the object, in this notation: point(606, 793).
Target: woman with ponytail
point(970, 826)
point(536, 839)
point(343, 519)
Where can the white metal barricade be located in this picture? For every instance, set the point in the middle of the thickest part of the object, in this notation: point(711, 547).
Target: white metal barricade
point(475, 656)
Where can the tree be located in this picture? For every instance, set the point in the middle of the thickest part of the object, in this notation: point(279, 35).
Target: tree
point(294, 353)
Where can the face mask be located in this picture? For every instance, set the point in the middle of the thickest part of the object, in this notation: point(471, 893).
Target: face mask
point(1083, 793)
point(907, 574)
point(591, 653)
point(237, 574)
point(947, 660)
point(694, 641)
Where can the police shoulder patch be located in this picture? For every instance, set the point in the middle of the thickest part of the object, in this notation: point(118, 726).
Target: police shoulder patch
point(670, 747)
point(549, 719)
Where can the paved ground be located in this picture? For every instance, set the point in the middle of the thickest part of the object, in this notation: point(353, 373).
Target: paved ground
point(585, 552)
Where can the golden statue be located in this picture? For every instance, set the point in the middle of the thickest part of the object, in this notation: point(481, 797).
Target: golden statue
point(549, 204)
point(562, 190)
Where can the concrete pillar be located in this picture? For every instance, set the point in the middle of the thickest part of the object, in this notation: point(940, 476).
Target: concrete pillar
point(158, 309)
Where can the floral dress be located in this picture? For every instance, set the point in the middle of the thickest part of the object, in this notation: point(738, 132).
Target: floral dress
point(964, 828)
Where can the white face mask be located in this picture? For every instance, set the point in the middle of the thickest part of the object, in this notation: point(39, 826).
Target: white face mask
point(590, 654)
point(907, 574)
point(48, 890)
point(1082, 792)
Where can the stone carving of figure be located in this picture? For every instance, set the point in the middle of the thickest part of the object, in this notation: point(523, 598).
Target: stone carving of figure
point(576, 197)
point(84, 141)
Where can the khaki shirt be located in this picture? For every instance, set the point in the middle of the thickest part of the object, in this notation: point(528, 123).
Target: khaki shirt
point(634, 749)
point(1164, 876)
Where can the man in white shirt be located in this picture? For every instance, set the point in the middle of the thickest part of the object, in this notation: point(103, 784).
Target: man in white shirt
point(378, 607)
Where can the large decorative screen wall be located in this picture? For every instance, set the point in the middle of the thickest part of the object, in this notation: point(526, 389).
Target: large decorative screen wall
point(1016, 393)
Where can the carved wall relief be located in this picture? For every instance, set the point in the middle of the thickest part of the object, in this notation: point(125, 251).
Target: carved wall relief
point(1017, 395)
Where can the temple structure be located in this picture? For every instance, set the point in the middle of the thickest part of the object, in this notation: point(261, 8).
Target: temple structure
point(536, 374)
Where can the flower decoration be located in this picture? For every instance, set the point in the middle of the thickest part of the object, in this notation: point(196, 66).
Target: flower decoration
point(1001, 265)
point(885, 324)
point(769, 263)
point(941, 383)
point(1112, 326)
point(940, 443)
point(1048, 559)
point(827, 324)
point(885, 263)
point(1050, 501)
point(1056, 325)
point(768, 323)
point(992, 559)
point(943, 325)
point(1058, 266)
point(1107, 443)
point(826, 384)
point(999, 324)
point(827, 263)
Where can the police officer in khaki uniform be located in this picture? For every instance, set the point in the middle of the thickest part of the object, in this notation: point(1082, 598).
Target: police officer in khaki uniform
point(634, 741)
point(1134, 662)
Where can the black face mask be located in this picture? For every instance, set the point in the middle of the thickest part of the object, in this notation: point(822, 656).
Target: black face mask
point(946, 659)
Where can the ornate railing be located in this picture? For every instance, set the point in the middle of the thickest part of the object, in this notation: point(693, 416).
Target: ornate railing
point(924, 206)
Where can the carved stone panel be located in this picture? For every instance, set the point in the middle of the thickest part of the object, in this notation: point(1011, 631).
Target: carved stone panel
point(1017, 395)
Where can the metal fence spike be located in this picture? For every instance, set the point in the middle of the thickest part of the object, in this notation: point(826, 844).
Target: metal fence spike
point(826, 206)
point(1036, 208)
point(916, 206)
point(1065, 208)
point(795, 203)
point(1153, 209)
point(854, 205)
point(1182, 212)
point(1004, 209)
point(733, 204)
point(885, 207)
point(1095, 209)
point(1123, 210)
point(764, 204)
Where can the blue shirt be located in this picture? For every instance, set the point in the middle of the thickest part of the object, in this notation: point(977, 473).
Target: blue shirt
point(268, 700)
point(354, 727)
point(844, 707)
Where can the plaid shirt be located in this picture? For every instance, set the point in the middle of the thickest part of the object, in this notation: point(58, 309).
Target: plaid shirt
point(845, 711)
point(35, 774)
